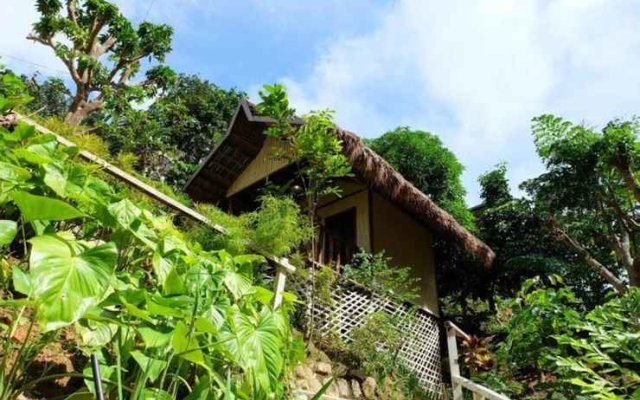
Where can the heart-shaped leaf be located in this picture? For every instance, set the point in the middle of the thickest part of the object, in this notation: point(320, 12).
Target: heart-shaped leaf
point(43, 208)
point(68, 280)
point(8, 230)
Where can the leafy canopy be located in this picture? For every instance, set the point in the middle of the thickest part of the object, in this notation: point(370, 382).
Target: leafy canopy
point(590, 193)
point(423, 160)
point(103, 51)
point(176, 132)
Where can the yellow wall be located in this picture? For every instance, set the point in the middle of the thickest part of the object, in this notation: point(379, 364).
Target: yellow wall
point(352, 196)
point(269, 160)
point(408, 243)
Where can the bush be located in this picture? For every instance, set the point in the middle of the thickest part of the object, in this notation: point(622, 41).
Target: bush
point(374, 272)
point(278, 227)
point(552, 347)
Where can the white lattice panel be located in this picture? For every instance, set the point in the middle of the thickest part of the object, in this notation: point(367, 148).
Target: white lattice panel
point(349, 309)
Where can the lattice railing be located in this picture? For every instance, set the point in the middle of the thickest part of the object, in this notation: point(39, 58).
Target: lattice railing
point(349, 308)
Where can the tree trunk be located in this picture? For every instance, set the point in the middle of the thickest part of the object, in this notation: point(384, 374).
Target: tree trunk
point(594, 264)
point(75, 118)
point(634, 273)
point(81, 107)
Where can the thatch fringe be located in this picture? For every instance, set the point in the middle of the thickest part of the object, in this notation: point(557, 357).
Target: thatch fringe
point(383, 178)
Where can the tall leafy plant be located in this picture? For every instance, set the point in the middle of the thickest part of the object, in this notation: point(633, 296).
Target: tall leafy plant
point(311, 144)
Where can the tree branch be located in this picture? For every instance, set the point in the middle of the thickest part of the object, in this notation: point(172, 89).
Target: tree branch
point(68, 62)
point(102, 48)
point(629, 179)
point(629, 224)
point(562, 237)
point(96, 27)
point(72, 11)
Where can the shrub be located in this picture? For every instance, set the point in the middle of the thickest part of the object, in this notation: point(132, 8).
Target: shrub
point(127, 161)
point(278, 227)
point(236, 231)
point(374, 272)
point(551, 347)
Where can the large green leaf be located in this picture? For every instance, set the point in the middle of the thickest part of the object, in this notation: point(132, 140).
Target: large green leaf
point(151, 367)
point(254, 343)
point(238, 273)
point(8, 230)
point(186, 345)
point(154, 337)
point(66, 181)
point(68, 278)
point(21, 281)
point(35, 207)
point(96, 333)
point(125, 212)
point(13, 173)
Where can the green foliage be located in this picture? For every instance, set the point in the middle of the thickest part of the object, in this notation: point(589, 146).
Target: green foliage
point(278, 227)
point(589, 195)
point(600, 355)
point(86, 34)
point(423, 160)
point(374, 272)
point(375, 346)
point(495, 187)
point(176, 132)
point(196, 113)
point(12, 91)
point(127, 161)
point(51, 97)
point(536, 316)
point(180, 320)
point(314, 145)
point(236, 228)
point(552, 347)
point(516, 231)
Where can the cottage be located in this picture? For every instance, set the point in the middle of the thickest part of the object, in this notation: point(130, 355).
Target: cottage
point(378, 210)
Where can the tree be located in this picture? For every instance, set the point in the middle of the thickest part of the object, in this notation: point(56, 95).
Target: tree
point(590, 195)
point(51, 97)
point(177, 131)
point(102, 51)
point(495, 187)
point(524, 247)
point(315, 148)
point(196, 114)
point(423, 160)
point(316, 151)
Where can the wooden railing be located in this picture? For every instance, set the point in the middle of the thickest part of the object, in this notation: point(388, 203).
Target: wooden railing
point(458, 382)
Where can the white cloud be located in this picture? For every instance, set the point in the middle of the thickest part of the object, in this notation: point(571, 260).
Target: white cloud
point(476, 72)
point(15, 50)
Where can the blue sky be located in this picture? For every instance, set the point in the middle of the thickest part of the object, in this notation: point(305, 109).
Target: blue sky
point(473, 72)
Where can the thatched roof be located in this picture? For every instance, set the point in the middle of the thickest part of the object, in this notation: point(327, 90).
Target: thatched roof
point(245, 138)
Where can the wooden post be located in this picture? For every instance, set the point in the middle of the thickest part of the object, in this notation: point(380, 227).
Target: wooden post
point(283, 268)
point(454, 367)
point(281, 280)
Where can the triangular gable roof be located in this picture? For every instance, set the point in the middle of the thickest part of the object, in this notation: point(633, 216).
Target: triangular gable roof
point(245, 138)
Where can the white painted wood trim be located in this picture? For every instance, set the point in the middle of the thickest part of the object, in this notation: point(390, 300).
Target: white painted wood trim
point(479, 389)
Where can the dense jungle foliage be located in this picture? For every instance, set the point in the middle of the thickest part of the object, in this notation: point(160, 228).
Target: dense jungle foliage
point(174, 310)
